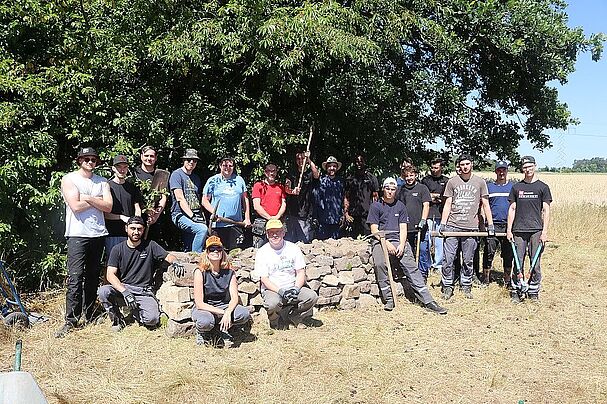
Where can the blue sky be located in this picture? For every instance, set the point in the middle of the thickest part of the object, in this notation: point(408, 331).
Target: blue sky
point(585, 94)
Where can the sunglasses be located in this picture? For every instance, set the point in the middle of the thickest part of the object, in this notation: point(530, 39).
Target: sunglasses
point(215, 248)
point(89, 160)
point(194, 160)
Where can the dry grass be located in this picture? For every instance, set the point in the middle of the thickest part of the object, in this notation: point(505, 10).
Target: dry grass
point(484, 350)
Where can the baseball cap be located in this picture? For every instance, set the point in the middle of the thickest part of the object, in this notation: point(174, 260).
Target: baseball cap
point(501, 164)
point(87, 151)
point(120, 159)
point(213, 240)
point(389, 181)
point(274, 224)
point(136, 220)
point(527, 160)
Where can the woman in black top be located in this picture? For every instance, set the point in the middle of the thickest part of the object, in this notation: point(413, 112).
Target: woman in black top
point(216, 307)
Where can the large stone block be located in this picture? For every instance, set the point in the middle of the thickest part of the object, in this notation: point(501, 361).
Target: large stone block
point(323, 260)
point(177, 311)
point(365, 301)
point(342, 264)
point(180, 328)
point(314, 285)
point(324, 301)
point(364, 287)
point(347, 304)
point(313, 273)
point(328, 291)
point(244, 298)
point(330, 280)
point(345, 278)
point(248, 287)
point(350, 292)
point(171, 293)
point(243, 274)
point(325, 270)
point(359, 274)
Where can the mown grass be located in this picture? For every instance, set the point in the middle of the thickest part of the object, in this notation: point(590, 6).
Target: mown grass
point(484, 350)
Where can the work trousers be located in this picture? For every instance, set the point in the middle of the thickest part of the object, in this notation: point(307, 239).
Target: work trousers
point(274, 305)
point(491, 246)
point(450, 246)
point(149, 311)
point(409, 269)
point(206, 321)
point(527, 245)
point(83, 270)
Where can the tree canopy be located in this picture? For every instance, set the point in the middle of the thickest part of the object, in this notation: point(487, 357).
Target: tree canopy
point(249, 78)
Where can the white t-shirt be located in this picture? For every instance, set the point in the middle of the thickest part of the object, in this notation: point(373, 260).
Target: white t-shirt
point(279, 265)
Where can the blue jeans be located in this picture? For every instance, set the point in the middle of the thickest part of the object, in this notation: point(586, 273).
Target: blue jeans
point(424, 252)
point(433, 225)
point(193, 233)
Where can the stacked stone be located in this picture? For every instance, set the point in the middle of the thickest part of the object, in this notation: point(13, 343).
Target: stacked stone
point(340, 271)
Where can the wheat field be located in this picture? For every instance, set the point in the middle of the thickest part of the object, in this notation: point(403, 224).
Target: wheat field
point(486, 350)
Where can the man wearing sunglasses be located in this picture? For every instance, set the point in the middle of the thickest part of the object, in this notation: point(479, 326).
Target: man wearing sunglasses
point(186, 189)
point(281, 267)
point(87, 196)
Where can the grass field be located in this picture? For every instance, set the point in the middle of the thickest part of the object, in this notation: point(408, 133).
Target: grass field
point(486, 350)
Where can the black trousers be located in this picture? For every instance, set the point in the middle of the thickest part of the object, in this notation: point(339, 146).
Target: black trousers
point(83, 270)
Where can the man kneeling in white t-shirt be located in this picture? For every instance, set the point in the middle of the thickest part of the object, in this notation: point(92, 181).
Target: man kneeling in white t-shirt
point(281, 266)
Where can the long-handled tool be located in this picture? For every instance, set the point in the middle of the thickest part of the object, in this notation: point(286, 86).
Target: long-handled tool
point(417, 249)
point(384, 247)
point(519, 270)
point(303, 167)
point(534, 261)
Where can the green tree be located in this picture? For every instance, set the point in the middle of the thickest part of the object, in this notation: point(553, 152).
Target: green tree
point(250, 77)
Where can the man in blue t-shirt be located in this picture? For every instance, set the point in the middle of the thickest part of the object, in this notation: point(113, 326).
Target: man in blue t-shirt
point(185, 188)
point(225, 195)
point(499, 204)
point(389, 215)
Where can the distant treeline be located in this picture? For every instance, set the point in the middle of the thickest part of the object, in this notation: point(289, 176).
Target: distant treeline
point(593, 165)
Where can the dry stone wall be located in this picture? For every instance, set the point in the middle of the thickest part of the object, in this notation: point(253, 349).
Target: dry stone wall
point(340, 271)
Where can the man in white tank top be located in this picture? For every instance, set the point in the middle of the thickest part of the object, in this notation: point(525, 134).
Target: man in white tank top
point(86, 196)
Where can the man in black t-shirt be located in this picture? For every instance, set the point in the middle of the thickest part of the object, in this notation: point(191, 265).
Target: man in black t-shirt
point(130, 274)
point(127, 202)
point(436, 182)
point(528, 218)
point(416, 198)
point(390, 216)
point(362, 188)
point(300, 199)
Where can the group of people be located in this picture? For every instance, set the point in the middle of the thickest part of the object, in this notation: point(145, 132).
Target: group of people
point(404, 212)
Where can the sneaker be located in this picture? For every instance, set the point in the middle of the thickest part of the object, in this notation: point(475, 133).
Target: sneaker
point(204, 338)
point(225, 340)
point(63, 331)
point(467, 291)
point(514, 297)
point(309, 322)
point(389, 305)
point(533, 297)
point(447, 292)
point(434, 307)
point(118, 324)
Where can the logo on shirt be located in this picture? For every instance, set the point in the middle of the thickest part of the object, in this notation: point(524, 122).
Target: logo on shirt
point(143, 255)
point(527, 195)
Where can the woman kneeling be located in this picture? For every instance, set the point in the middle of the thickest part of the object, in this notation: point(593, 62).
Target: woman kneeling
point(216, 307)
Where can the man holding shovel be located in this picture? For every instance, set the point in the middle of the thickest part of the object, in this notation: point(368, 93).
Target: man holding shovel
point(388, 218)
point(528, 218)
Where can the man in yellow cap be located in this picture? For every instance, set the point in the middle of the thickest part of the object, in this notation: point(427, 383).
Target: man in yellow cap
point(281, 267)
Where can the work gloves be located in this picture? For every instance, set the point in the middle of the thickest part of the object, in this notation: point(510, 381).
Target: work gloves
point(130, 301)
point(198, 218)
point(422, 224)
point(441, 229)
point(178, 269)
point(491, 230)
point(289, 296)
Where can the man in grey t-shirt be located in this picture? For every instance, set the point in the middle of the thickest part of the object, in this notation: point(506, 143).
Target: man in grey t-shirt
point(463, 195)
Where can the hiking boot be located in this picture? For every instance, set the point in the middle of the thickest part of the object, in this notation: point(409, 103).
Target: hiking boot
point(118, 324)
point(225, 340)
point(467, 291)
point(447, 292)
point(515, 297)
point(434, 307)
point(63, 331)
point(308, 322)
point(389, 305)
